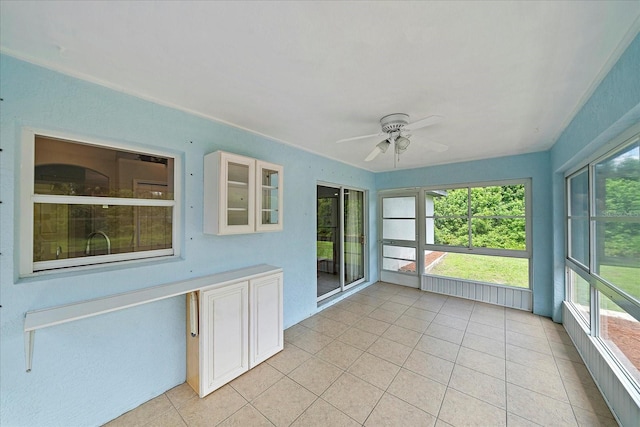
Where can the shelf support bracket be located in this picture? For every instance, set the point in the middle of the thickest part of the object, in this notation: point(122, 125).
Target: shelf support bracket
point(29, 336)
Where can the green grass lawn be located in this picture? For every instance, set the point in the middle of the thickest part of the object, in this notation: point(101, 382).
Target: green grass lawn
point(626, 278)
point(324, 249)
point(483, 268)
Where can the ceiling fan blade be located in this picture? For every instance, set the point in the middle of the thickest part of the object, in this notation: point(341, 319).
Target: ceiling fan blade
point(374, 153)
point(355, 138)
point(438, 148)
point(427, 121)
point(380, 147)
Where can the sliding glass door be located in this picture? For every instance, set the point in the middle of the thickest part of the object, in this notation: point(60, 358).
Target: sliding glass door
point(353, 203)
point(340, 239)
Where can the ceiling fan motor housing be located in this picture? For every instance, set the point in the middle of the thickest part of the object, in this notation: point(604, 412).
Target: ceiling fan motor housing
point(394, 122)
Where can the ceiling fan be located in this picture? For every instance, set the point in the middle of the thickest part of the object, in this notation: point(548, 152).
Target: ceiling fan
point(396, 128)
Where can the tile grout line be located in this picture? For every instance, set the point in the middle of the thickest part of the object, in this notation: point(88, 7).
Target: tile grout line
point(564, 386)
point(332, 364)
point(397, 373)
point(536, 391)
point(178, 409)
point(384, 391)
point(423, 333)
point(454, 366)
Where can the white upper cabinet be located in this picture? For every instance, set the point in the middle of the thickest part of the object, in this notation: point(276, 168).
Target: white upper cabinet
point(241, 194)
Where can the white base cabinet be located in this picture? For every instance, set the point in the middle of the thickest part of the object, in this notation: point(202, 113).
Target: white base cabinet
point(239, 326)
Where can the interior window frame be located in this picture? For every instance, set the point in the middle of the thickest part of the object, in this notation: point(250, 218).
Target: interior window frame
point(28, 198)
point(510, 253)
point(514, 253)
point(598, 285)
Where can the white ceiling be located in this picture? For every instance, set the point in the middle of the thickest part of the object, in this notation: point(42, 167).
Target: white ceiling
point(507, 76)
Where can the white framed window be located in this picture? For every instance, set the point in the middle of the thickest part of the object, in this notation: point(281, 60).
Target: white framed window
point(479, 232)
point(603, 252)
point(87, 202)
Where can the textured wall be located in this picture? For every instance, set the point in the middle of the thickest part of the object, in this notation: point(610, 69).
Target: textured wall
point(90, 371)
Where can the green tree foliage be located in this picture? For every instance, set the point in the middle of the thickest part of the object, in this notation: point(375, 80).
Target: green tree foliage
point(451, 224)
point(618, 198)
point(489, 227)
point(326, 218)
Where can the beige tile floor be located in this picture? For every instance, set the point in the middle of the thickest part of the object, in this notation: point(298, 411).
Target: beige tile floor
point(395, 356)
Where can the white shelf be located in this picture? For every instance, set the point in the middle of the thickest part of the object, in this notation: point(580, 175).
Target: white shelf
point(237, 184)
point(43, 318)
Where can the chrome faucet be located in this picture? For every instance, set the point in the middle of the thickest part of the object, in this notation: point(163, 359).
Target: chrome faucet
point(87, 250)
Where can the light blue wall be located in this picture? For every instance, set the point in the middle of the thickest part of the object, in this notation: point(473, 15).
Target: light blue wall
point(613, 108)
point(534, 166)
point(90, 371)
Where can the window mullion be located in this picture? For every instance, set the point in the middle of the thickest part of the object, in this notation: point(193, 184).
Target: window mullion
point(469, 217)
point(595, 296)
point(595, 311)
point(92, 200)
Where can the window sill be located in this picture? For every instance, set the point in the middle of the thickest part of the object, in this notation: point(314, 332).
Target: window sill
point(96, 268)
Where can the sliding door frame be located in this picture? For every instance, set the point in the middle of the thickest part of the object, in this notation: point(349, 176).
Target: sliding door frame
point(341, 257)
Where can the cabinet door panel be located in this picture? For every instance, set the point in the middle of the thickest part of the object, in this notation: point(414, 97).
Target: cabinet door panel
point(269, 179)
point(237, 202)
point(225, 316)
point(266, 335)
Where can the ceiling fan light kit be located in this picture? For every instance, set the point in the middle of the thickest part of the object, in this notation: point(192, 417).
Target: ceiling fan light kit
point(396, 127)
point(401, 144)
point(380, 147)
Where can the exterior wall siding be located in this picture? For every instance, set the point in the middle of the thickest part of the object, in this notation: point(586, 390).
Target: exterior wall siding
point(517, 298)
point(621, 401)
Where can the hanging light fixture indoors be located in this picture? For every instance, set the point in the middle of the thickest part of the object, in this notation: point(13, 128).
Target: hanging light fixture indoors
point(401, 144)
point(381, 147)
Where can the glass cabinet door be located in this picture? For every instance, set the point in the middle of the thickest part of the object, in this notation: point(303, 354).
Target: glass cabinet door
point(269, 192)
point(239, 196)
